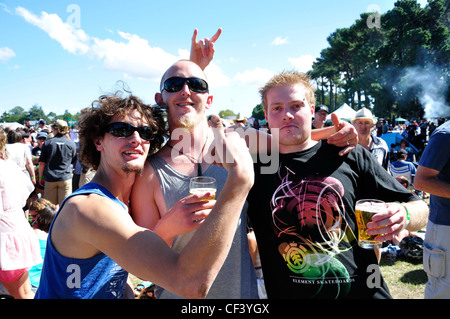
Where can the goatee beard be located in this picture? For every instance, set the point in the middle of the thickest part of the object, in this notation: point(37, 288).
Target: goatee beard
point(186, 122)
point(127, 168)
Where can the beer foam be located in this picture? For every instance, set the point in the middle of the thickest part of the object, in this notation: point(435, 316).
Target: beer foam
point(371, 209)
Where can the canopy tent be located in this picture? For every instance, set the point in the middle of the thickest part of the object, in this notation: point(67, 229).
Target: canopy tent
point(344, 112)
point(11, 125)
point(396, 138)
point(400, 119)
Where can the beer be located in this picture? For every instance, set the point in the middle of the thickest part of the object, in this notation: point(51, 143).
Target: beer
point(202, 185)
point(364, 211)
point(203, 191)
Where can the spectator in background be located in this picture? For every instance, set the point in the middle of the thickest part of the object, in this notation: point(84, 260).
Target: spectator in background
point(20, 154)
point(433, 177)
point(55, 164)
point(240, 120)
point(41, 125)
point(42, 213)
point(404, 145)
point(403, 167)
point(35, 154)
point(19, 247)
point(364, 123)
point(256, 125)
point(320, 116)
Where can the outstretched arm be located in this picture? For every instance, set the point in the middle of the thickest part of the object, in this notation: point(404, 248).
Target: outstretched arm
point(340, 134)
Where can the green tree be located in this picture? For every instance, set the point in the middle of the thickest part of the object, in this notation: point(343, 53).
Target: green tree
point(223, 114)
point(369, 64)
point(36, 113)
point(258, 112)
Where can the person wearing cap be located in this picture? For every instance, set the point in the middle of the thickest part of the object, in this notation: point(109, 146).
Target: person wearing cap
point(35, 153)
point(320, 116)
point(364, 123)
point(41, 125)
point(55, 164)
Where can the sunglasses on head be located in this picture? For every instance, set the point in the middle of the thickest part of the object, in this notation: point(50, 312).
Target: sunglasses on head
point(175, 84)
point(121, 129)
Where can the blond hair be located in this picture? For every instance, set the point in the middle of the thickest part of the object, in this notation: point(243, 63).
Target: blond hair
point(288, 78)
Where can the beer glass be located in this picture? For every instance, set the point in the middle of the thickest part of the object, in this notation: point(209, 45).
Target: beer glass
point(364, 211)
point(203, 184)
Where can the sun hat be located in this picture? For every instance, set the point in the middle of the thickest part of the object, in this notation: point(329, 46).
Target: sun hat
point(364, 113)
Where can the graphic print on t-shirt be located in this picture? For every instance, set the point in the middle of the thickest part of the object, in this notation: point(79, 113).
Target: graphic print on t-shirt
point(309, 219)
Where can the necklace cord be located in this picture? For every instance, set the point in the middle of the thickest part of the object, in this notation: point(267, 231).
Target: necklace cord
point(198, 161)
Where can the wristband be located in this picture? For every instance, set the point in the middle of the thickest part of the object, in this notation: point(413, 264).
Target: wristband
point(408, 216)
point(40, 177)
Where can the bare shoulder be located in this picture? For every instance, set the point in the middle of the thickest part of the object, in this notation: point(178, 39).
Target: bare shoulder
point(147, 201)
point(83, 221)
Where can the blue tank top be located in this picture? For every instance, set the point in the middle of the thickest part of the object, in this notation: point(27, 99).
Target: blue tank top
point(98, 277)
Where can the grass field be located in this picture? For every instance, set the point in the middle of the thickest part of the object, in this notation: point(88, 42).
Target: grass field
point(405, 280)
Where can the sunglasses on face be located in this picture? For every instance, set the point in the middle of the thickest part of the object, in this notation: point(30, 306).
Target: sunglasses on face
point(176, 84)
point(121, 129)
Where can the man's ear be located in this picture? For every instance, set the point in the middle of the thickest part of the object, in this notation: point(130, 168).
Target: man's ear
point(209, 102)
point(159, 99)
point(98, 144)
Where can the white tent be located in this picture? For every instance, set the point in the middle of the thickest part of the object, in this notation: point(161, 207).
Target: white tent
point(12, 125)
point(344, 112)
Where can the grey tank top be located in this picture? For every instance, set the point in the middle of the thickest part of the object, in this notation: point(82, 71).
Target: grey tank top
point(236, 279)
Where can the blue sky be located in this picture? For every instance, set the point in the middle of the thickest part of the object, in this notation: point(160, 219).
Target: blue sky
point(64, 54)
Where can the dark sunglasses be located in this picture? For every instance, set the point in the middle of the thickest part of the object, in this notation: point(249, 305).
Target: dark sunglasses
point(121, 129)
point(175, 84)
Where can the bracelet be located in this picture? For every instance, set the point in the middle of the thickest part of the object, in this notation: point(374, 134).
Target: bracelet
point(408, 216)
point(40, 177)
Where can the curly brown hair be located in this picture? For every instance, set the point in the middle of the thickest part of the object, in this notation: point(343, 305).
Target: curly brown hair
point(94, 120)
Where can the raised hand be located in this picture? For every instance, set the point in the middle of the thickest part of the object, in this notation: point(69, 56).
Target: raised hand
point(202, 51)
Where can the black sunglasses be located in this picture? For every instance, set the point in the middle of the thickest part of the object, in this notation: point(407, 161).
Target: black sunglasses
point(121, 129)
point(175, 84)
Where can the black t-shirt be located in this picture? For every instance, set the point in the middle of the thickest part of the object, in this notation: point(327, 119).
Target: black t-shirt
point(58, 154)
point(304, 221)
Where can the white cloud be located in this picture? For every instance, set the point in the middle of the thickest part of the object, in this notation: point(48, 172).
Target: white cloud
point(215, 76)
point(279, 41)
point(303, 63)
point(133, 56)
point(256, 77)
point(5, 8)
point(6, 53)
point(73, 40)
